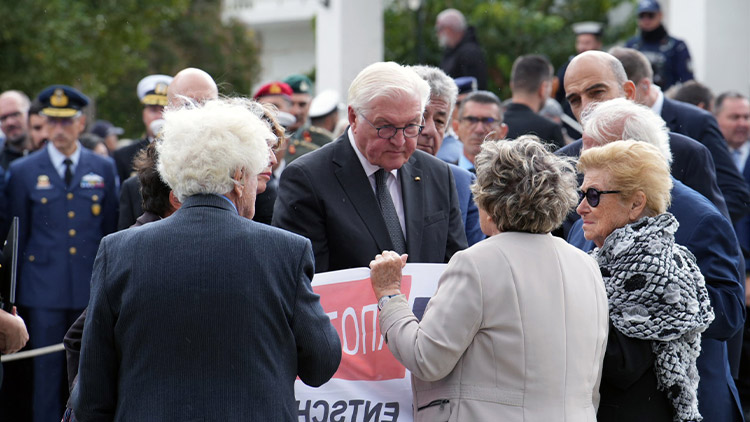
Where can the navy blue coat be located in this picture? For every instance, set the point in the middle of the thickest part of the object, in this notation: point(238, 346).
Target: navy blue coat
point(710, 237)
point(60, 227)
point(469, 211)
point(204, 315)
point(701, 125)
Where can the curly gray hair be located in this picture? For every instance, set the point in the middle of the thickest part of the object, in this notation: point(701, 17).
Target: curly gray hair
point(523, 186)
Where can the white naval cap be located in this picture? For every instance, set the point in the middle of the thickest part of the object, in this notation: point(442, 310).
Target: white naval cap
point(324, 103)
point(152, 90)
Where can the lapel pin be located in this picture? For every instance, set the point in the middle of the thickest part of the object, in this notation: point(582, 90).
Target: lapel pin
point(417, 179)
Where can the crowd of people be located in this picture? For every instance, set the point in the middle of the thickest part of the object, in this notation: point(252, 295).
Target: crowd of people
point(595, 227)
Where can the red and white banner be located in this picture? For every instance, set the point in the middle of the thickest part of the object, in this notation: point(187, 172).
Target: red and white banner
point(370, 384)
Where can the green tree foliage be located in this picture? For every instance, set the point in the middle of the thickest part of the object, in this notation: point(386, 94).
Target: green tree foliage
point(505, 29)
point(104, 47)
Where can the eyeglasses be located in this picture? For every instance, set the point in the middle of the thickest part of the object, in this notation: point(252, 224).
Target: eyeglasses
point(647, 15)
point(389, 131)
point(486, 121)
point(593, 195)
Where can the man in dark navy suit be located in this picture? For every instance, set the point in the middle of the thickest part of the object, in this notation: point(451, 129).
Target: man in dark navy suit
point(437, 112)
point(597, 76)
point(690, 121)
point(708, 235)
point(66, 200)
point(205, 315)
point(732, 111)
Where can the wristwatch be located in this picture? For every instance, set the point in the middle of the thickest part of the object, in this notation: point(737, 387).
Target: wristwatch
point(383, 300)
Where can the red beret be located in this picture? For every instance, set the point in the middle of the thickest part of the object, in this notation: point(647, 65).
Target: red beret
point(274, 88)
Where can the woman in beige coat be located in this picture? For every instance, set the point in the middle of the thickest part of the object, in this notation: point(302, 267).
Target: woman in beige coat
point(517, 328)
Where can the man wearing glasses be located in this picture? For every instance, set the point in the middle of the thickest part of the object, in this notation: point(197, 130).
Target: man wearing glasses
point(14, 110)
point(370, 190)
point(480, 115)
point(669, 56)
point(66, 200)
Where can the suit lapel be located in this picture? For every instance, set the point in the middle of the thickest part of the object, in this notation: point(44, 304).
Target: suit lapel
point(412, 194)
point(353, 180)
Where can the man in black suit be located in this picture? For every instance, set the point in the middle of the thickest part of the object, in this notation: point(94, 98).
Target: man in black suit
point(204, 315)
point(369, 190)
point(596, 76)
point(531, 84)
point(690, 121)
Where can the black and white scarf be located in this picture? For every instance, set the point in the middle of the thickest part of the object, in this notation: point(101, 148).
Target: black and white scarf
point(656, 292)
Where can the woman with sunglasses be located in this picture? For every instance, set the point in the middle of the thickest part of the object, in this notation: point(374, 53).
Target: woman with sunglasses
point(658, 302)
point(517, 328)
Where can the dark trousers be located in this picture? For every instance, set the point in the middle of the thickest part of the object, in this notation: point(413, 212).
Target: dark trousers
point(50, 391)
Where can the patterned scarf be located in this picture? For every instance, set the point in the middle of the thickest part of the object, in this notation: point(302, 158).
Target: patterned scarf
point(656, 292)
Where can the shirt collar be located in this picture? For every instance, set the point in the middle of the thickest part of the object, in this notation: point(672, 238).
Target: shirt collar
point(369, 168)
point(232, 203)
point(659, 103)
point(58, 157)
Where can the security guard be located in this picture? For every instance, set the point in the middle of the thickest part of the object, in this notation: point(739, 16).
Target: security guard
point(66, 200)
point(669, 56)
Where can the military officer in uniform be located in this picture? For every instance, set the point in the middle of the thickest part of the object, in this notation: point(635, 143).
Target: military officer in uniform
point(66, 200)
point(301, 139)
point(152, 91)
point(324, 116)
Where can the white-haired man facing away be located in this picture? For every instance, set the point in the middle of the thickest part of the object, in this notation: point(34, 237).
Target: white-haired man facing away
point(206, 314)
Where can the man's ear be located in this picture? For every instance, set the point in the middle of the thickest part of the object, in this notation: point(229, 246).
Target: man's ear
point(174, 202)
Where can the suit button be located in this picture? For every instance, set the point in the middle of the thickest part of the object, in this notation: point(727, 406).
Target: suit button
point(94, 198)
point(71, 214)
point(73, 250)
point(44, 200)
point(31, 258)
point(70, 196)
point(72, 232)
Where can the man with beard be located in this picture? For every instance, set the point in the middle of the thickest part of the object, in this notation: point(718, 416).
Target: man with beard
point(14, 111)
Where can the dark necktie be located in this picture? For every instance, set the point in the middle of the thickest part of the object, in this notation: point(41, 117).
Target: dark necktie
point(389, 212)
point(68, 171)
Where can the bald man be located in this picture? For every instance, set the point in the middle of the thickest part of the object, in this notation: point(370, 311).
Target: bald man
point(188, 84)
point(191, 83)
point(596, 76)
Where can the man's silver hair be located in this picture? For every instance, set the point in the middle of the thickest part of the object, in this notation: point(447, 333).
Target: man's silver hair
point(20, 96)
point(452, 18)
point(441, 85)
point(386, 79)
point(202, 146)
point(621, 119)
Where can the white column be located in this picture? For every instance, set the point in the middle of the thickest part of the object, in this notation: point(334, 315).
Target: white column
point(348, 37)
point(718, 36)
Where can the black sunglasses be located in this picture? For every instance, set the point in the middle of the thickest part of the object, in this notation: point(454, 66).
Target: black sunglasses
point(593, 195)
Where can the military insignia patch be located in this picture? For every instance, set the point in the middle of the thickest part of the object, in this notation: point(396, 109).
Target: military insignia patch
point(42, 182)
point(92, 181)
point(59, 99)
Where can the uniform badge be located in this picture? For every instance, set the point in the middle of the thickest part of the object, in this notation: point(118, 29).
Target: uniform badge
point(96, 209)
point(42, 182)
point(59, 99)
point(92, 181)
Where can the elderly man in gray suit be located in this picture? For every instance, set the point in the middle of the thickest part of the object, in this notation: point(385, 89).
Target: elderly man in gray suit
point(205, 315)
